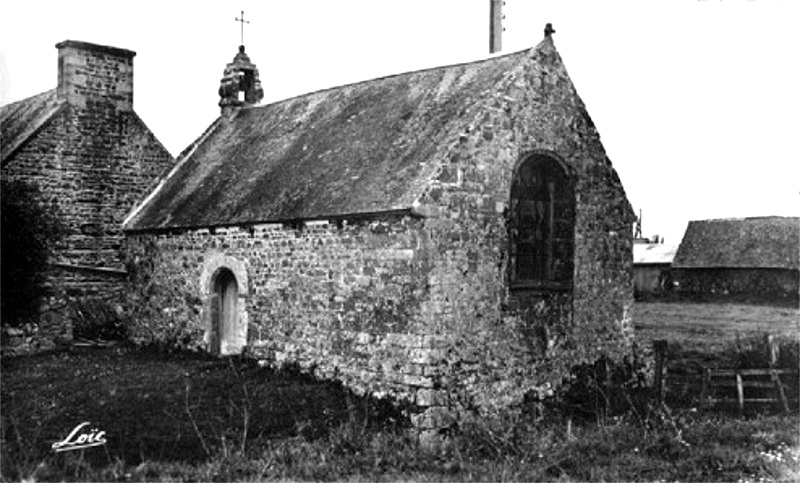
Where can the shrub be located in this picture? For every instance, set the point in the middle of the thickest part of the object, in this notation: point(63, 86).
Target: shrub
point(752, 352)
point(98, 319)
point(29, 232)
point(605, 388)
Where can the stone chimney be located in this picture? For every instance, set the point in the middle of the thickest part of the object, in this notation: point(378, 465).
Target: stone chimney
point(240, 85)
point(91, 74)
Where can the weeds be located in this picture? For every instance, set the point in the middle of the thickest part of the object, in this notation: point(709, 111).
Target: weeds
point(197, 431)
point(95, 319)
point(250, 424)
point(753, 352)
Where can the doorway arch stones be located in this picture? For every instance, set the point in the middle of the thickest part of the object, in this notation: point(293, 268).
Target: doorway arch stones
point(234, 339)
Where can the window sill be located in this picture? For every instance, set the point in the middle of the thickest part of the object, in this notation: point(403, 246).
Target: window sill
point(542, 287)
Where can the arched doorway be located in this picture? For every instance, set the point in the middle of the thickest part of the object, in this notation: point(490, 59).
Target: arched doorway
point(224, 312)
point(225, 288)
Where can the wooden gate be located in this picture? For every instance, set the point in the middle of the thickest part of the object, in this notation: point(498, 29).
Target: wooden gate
point(709, 386)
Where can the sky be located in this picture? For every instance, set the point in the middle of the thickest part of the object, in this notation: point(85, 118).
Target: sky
point(696, 101)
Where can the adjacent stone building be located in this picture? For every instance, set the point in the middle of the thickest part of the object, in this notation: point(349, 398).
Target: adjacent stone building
point(455, 237)
point(93, 160)
point(757, 258)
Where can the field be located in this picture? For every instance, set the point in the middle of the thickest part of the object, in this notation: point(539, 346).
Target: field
point(704, 336)
point(188, 417)
point(709, 327)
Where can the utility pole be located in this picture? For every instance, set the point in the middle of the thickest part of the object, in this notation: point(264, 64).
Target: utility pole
point(495, 26)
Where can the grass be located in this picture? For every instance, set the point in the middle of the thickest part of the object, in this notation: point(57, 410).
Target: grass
point(189, 417)
point(257, 424)
point(717, 336)
point(710, 327)
point(159, 407)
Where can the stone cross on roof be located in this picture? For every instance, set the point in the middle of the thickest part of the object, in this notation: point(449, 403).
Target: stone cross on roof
point(242, 21)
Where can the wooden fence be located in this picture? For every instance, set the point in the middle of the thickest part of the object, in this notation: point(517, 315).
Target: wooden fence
point(767, 385)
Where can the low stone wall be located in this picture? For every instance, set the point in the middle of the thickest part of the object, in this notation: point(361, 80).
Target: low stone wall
point(24, 340)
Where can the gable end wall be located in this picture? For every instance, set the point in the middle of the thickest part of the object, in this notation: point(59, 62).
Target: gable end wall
point(92, 166)
point(525, 341)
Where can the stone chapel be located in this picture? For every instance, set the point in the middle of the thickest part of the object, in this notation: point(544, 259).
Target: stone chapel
point(455, 238)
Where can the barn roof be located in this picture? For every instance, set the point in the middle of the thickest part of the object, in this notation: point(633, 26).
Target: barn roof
point(653, 253)
point(355, 149)
point(20, 120)
point(768, 242)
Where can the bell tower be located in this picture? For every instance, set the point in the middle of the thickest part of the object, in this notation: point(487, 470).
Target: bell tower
point(240, 85)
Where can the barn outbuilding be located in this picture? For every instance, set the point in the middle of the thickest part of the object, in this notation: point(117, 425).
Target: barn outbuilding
point(742, 257)
point(455, 238)
point(652, 268)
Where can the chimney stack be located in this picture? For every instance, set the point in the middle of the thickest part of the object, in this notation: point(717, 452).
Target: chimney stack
point(95, 74)
point(495, 26)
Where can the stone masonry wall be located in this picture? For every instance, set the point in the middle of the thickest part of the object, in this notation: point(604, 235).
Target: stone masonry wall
point(504, 343)
point(93, 161)
point(341, 299)
point(92, 167)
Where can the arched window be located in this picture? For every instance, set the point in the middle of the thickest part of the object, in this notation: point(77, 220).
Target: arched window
point(541, 225)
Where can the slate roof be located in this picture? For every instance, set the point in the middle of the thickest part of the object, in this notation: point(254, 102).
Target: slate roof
point(20, 120)
point(768, 242)
point(359, 148)
point(653, 253)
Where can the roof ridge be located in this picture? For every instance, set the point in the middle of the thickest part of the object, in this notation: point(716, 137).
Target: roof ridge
point(756, 242)
point(399, 74)
point(746, 218)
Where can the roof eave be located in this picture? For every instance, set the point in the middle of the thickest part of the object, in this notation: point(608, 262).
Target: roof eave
point(400, 212)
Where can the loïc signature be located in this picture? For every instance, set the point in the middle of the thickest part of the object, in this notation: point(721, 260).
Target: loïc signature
point(79, 440)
